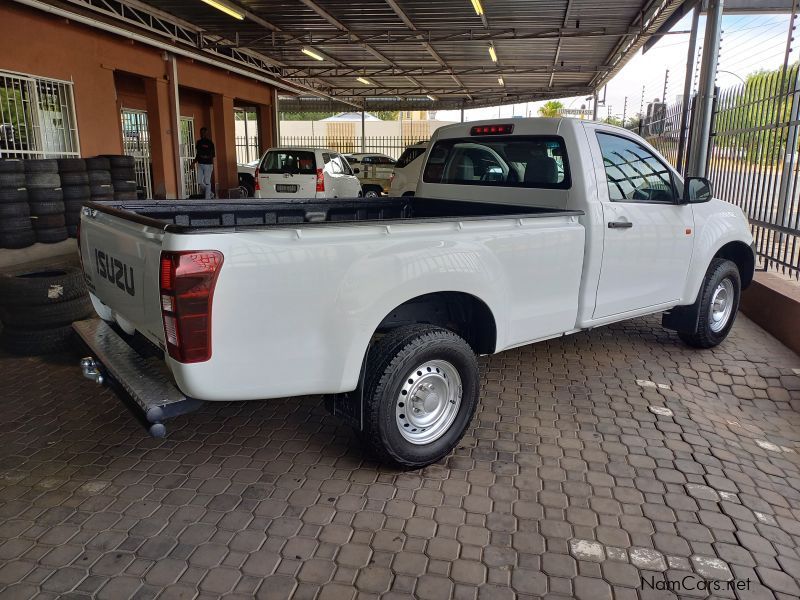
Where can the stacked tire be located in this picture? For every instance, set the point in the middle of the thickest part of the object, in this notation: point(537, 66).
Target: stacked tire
point(46, 200)
point(99, 172)
point(75, 189)
point(38, 308)
point(16, 230)
point(123, 177)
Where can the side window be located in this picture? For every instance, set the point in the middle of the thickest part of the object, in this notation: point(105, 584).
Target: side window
point(344, 165)
point(634, 173)
point(326, 157)
point(336, 165)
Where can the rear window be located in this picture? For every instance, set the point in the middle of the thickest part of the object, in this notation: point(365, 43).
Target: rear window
point(290, 161)
point(408, 156)
point(519, 161)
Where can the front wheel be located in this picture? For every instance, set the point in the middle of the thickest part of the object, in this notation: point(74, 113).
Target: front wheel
point(420, 393)
point(718, 304)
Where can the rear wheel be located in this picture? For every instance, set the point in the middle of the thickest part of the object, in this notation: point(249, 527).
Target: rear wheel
point(372, 192)
point(719, 303)
point(420, 393)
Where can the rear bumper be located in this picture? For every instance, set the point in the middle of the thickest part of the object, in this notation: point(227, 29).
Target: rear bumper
point(146, 381)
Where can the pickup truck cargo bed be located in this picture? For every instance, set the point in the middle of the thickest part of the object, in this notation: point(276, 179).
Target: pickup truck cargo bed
point(183, 217)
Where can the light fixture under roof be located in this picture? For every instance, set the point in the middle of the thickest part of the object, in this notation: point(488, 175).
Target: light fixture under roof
point(309, 52)
point(500, 81)
point(476, 4)
point(492, 53)
point(227, 8)
point(431, 97)
point(363, 80)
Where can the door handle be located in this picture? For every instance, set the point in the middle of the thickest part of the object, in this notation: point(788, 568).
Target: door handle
point(620, 224)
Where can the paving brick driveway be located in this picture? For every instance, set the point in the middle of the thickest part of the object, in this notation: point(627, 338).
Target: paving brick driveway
point(594, 462)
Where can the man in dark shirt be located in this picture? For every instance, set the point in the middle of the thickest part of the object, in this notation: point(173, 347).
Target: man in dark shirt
point(204, 159)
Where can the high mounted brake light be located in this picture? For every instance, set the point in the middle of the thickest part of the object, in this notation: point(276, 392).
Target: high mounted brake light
point(187, 281)
point(492, 129)
point(320, 180)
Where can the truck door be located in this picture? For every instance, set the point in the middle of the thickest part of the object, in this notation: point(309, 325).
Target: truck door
point(648, 234)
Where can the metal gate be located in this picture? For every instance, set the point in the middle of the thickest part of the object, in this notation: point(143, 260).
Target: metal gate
point(136, 143)
point(37, 117)
point(187, 153)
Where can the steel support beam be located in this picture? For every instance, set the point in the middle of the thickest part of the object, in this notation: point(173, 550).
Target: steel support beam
point(698, 152)
point(687, 89)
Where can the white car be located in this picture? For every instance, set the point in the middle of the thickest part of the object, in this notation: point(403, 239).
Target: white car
point(406, 172)
point(305, 173)
point(373, 170)
point(520, 231)
point(247, 177)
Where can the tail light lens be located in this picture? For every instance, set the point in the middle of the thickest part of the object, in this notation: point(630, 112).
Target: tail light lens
point(320, 180)
point(187, 281)
point(255, 177)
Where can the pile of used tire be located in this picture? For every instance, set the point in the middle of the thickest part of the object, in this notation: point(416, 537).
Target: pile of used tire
point(99, 171)
point(16, 230)
point(38, 308)
point(46, 200)
point(123, 176)
point(75, 189)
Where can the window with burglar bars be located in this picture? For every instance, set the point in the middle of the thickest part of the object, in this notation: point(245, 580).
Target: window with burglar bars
point(37, 117)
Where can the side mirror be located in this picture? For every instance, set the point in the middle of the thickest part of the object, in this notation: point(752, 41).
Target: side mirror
point(356, 171)
point(696, 190)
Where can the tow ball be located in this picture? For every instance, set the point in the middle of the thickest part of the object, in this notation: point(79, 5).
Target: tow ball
point(91, 370)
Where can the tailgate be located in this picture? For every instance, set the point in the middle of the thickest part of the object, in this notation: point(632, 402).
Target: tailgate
point(286, 185)
point(120, 261)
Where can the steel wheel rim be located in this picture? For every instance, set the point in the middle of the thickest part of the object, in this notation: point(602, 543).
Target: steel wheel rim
point(371, 194)
point(721, 305)
point(428, 402)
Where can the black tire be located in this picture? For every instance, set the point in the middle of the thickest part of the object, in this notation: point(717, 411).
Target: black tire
point(120, 161)
point(126, 196)
point(103, 198)
point(372, 191)
point(123, 173)
point(705, 336)
point(248, 183)
point(48, 221)
point(13, 195)
point(104, 189)
point(14, 240)
point(31, 342)
point(124, 186)
point(98, 163)
point(12, 224)
point(45, 195)
point(42, 209)
point(74, 178)
point(41, 165)
point(45, 316)
point(14, 210)
point(11, 165)
point(51, 235)
point(42, 180)
point(12, 180)
point(390, 363)
point(71, 165)
point(99, 177)
point(72, 230)
point(76, 192)
point(38, 288)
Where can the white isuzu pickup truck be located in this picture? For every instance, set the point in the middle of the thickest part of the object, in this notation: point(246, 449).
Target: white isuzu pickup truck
point(519, 231)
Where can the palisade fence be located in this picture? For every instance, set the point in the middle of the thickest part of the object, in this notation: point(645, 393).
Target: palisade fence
point(390, 145)
point(246, 149)
point(753, 159)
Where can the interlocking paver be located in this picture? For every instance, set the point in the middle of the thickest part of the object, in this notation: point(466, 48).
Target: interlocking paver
point(569, 483)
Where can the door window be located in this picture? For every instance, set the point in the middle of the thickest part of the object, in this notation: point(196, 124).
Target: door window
point(633, 173)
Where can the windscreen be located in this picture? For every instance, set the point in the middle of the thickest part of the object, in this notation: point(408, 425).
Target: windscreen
point(408, 156)
point(298, 162)
point(504, 161)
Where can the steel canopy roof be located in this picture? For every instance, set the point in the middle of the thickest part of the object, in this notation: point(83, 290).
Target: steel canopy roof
point(423, 53)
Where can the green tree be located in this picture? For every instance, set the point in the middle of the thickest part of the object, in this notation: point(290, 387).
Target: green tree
point(612, 121)
point(551, 108)
point(305, 116)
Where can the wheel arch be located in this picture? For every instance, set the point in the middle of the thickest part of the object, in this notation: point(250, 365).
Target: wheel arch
point(742, 256)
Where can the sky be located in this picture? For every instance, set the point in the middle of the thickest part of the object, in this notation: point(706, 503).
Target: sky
point(749, 43)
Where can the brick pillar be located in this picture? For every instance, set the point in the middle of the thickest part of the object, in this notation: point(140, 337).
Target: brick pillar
point(223, 134)
point(162, 138)
point(266, 127)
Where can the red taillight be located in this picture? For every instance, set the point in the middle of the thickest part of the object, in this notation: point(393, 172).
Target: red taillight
point(255, 176)
point(492, 129)
point(320, 180)
point(187, 281)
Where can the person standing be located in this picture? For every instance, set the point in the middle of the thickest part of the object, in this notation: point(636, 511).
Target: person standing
point(204, 159)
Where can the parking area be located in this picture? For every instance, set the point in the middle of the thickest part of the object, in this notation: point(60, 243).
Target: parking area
point(600, 465)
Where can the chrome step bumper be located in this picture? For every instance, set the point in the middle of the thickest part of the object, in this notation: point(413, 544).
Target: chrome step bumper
point(147, 381)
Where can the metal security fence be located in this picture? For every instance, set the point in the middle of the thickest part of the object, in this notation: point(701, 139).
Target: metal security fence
point(662, 128)
point(37, 117)
point(246, 149)
point(390, 145)
point(754, 161)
